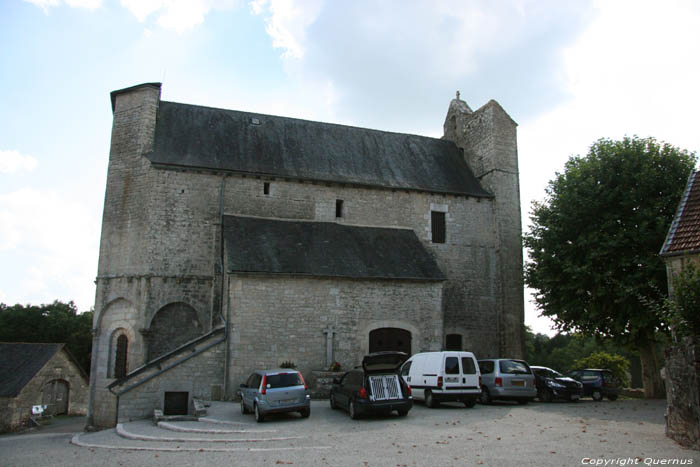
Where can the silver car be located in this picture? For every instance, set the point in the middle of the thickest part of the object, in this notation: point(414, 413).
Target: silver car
point(275, 391)
point(506, 379)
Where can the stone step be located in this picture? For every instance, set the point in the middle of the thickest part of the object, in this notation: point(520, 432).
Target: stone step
point(135, 436)
point(148, 432)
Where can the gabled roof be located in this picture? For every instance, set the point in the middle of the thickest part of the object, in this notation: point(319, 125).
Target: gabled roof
point(19, 362)
point(205, 138)
point(684, 235)
point(325, 249)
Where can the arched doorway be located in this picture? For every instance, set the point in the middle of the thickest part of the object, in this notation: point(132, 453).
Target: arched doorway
point(55, 396)
point(385, 339)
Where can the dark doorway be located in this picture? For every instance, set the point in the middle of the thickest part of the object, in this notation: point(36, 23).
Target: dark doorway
point(56, 397)
point(453, 342)
point(175, 403)
point(384, 339)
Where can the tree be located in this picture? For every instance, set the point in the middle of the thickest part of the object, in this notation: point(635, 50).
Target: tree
point(593, 243)
point(57, 322)
point(615, 363)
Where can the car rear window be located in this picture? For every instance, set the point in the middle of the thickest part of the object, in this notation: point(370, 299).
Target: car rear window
point(468, 367)
point(451, 366)
point(486, 367)
point(283, 380)
point(609, 378)
point(514, 367)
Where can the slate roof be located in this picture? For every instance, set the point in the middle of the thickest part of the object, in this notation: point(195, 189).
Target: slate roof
point(325, 249)
point(189, 136)
point(19, 362)
point(684, 235)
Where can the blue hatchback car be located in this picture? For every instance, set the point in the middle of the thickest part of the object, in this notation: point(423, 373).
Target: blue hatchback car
point(275, 391)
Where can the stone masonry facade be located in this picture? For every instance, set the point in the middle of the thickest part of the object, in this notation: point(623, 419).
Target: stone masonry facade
point(162, 261)
point(16, 411)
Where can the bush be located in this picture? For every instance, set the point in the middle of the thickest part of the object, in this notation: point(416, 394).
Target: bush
point(685, 303)
point(618, 364)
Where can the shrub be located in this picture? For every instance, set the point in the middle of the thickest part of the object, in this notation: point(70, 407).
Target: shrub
point(613, 362)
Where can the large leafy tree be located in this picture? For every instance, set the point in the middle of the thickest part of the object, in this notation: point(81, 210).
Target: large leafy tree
point(57, 322)
point(593, 243)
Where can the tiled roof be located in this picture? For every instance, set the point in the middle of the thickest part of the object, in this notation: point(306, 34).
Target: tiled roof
point(195, 137)
point(325, 249)
point(19, 362)
point(684, 235)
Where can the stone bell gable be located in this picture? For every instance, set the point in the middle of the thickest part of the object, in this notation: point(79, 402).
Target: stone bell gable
point(236, 227)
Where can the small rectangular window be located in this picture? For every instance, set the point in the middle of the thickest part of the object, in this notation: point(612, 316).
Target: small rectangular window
point(437, 225)
point(266, 188)
point(338, 208)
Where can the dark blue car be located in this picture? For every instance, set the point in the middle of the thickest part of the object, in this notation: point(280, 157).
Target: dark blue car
point(597, 383)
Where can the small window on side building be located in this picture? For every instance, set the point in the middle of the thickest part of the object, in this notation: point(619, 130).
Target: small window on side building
point(338, 208)
point(437, 225)
point(266, 188)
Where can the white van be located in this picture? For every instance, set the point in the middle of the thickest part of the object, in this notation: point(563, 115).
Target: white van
point(443, 376)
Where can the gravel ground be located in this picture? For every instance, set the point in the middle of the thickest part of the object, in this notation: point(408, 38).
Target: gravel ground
point(624, 432)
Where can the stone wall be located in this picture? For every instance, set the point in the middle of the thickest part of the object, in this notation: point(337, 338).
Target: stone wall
point(274, 320)
point(683, 393)
point(201, 376)
point(16, 411)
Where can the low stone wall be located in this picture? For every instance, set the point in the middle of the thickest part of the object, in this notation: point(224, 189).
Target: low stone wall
point(321, 382)
point(682, 393)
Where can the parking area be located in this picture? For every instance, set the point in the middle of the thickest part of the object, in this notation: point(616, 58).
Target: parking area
point(628, 432)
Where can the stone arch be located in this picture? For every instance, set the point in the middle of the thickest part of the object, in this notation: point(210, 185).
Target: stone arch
point(120, 343)
point(56, 395)
point(118, 318)
point(171, 326)
point(450, 337)
point(400, 326)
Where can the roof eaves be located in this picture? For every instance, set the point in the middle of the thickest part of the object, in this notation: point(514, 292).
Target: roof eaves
point(677, 217)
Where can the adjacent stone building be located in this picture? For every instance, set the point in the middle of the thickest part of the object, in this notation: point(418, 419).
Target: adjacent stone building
point(234, 240)
point(39, 374)
point(681, 247)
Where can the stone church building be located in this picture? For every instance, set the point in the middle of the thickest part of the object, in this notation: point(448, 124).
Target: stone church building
point(233, 241)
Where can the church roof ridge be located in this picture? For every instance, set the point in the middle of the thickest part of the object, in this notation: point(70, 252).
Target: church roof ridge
point(210, 138)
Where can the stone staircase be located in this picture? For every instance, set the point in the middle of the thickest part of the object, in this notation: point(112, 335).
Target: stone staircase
point(215, 433)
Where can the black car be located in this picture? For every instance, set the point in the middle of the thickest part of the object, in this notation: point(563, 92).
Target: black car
point(374, 388)
point(597, 383)
point(553, 385)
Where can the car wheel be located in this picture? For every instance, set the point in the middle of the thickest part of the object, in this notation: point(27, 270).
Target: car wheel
point(353, 411)
point(305, 412)
point(522, 401)
point(469, 403)
point(546, 396)
point(430, 400)
point(485, 397)
point(402, 413)
point(334, 405)
point(612, 397)
point(259, 417)
point(597, 396)
point(244, 409)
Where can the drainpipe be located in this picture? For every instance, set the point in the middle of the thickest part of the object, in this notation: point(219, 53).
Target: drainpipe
point(227, 353)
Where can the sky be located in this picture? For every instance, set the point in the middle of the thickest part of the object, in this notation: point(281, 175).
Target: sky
point(568, 73)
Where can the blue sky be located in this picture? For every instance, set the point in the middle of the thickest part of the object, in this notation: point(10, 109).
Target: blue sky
point(567, 72)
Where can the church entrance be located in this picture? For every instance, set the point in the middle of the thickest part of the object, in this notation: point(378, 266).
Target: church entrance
point(394, 339)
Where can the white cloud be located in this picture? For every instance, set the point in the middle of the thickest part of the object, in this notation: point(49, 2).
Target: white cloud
point(52, 243)
point(46, 4)
point(12, 162)
point(287, 23)
point(632, 72)
point(178, 15)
